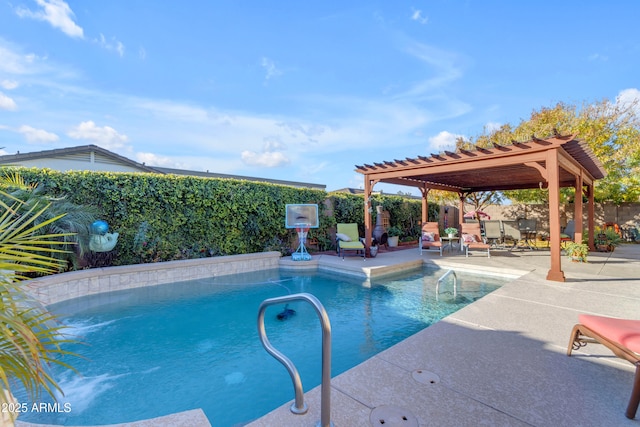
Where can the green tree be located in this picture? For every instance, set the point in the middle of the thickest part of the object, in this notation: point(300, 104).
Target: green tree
point(611, 129)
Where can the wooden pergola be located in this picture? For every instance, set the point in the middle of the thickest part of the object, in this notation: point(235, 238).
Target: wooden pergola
point(551, 163)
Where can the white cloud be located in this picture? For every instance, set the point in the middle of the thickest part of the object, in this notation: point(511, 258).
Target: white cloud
point(7, 103)
point(629, 96)
point(55, 12)
point(37, 135)
point(111, 44)
point(9, 84)
point(106, 136)
point(12, 62)
point(444, 141)
point(270, 159)
point(270, 68)
point(272, 154)
point(419, 17)
point(152, 159)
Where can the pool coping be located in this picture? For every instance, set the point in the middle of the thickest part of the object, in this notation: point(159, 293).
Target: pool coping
point(60, 287)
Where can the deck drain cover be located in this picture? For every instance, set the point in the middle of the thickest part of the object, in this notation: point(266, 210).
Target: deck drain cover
point(425, 377)
point(392, 416)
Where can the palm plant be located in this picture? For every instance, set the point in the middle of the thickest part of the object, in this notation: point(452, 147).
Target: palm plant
point(29, 339)
point(73, 227)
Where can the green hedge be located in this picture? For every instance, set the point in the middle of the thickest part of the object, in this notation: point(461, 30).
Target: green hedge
point(404, 212)
point(167, 217)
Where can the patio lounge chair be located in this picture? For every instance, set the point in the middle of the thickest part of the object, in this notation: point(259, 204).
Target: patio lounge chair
point(471, 238)
point(621, 336)
point(430, 237)
point(348, 239)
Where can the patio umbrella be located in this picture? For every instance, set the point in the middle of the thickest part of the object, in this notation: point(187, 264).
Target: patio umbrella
point(476, 214)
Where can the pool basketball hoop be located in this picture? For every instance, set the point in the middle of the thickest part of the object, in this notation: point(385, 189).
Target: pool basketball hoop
point(301, 217)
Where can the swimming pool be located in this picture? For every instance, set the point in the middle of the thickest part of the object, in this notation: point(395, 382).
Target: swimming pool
point(168, 348)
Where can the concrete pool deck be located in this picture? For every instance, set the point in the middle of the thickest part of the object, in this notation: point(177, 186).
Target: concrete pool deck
point(500, 361)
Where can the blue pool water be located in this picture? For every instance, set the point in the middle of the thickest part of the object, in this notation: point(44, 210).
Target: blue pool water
point(163, 349)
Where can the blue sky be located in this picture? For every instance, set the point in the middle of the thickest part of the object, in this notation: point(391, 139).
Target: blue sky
point(299, 91)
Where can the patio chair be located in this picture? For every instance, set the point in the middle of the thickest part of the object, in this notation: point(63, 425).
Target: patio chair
point(430, 237)
point(471, 238)
point(567, 235)
point(528, 229)
point(348, 239)
point(511, 233)
point(493, 233)
point(621, 336)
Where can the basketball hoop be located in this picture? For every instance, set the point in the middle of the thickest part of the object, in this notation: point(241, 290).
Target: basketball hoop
point(301, 253)
point(301, 217)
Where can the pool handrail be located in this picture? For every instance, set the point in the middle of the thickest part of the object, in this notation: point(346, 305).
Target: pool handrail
point(455, 282)
point(299, 406)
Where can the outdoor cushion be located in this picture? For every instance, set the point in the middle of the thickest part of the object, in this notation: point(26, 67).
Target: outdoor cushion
point(625, 332)
point(621, 336)
point(430, 237)
point(350, 231)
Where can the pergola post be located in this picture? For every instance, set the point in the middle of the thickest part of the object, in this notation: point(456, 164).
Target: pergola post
point(591, 213)
point(577, 210)
point(425, 204)
point(461, 208)
point(368, 189)
point(555, 271)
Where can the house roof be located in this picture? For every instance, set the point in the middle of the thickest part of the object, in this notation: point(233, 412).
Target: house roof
point(520, 165)
point(208, 174)
point(84, 153)
point(77, 152)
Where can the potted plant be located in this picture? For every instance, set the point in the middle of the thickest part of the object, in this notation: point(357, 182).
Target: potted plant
point(393, 234)
point(451, 231)
point(577, 252)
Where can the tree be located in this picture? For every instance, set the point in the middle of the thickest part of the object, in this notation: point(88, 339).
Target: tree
point(612, 131)
point(481, 199)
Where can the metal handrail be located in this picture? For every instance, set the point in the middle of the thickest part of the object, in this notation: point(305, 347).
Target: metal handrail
point(299, 406)
point(455, 282)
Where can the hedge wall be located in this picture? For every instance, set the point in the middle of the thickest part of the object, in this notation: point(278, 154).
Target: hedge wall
point(167, 217)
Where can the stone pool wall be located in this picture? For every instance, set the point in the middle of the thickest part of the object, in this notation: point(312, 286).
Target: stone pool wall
point(64, 286)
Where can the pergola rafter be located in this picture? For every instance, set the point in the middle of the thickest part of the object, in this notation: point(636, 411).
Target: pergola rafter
point(551, 163)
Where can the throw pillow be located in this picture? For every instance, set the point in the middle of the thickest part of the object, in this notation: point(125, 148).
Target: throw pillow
point(343, 237)
point(428, 236)
point(468, 238)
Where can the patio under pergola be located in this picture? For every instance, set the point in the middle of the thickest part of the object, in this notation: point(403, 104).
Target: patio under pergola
point(551, 163)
